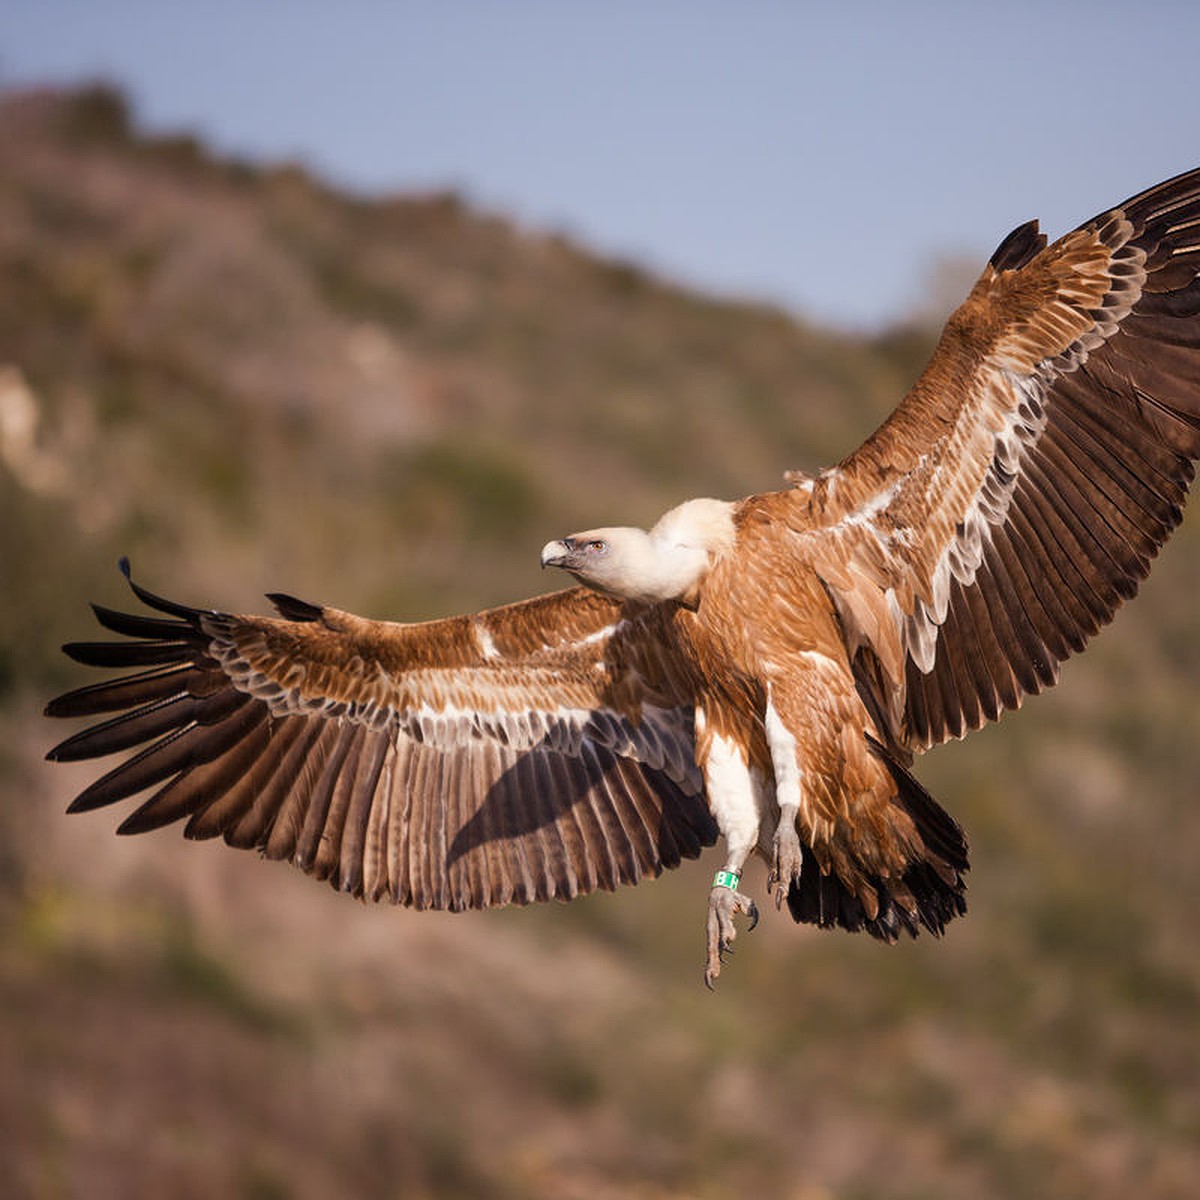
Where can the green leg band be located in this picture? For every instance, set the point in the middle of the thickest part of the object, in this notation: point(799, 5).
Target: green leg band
point(729, 879)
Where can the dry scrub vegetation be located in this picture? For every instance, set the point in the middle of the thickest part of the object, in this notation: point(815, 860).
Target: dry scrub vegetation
point(247, 381)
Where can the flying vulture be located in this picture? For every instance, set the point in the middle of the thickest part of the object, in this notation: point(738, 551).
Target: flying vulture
point(763, 670)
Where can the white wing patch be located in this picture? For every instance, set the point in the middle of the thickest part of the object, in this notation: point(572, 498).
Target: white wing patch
point(1022, 427)
point(508, 711)
point(483, 635)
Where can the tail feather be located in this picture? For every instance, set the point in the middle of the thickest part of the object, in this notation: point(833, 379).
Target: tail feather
point(931, 893)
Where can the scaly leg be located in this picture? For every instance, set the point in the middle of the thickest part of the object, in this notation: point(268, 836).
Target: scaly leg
point(788, 857)
point(736, 795)
point(785, 758)
point(723, 901)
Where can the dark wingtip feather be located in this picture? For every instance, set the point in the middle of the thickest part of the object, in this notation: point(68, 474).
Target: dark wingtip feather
point(87, 801)
point(127, 654)
point(151, 600)
point(141, 627)
point(1019, 247)
point(292, 609)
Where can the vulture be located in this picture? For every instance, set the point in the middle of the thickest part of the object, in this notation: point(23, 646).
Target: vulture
point(762, 670)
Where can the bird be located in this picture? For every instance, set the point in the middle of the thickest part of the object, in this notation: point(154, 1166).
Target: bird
point(760, 672)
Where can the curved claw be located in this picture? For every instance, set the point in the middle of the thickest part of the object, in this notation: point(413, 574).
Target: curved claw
point(723, 904)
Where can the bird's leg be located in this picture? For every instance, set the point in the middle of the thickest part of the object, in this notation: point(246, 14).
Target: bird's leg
point(789, 777)
point(787, 858)
point(737, 797)
point(724, 900)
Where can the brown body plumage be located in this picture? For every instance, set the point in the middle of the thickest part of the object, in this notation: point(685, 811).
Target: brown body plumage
point(764, 669)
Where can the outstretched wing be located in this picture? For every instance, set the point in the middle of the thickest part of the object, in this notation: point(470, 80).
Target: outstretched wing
point(535, 751)
point(1019, 493)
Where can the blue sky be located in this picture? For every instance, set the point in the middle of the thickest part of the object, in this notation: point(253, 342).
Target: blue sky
point(822, 156)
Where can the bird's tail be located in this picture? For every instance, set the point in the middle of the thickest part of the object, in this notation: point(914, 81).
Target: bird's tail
point(930, 891)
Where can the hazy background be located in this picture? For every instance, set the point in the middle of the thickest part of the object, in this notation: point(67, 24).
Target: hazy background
point(364, 308)
point(821, 156)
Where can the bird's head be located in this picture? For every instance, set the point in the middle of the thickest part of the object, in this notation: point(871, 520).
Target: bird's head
point(669, 562)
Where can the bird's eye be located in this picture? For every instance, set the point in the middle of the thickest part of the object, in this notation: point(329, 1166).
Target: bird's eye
point(598, 546)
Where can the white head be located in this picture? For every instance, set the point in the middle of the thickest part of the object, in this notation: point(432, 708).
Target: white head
point(670, 562)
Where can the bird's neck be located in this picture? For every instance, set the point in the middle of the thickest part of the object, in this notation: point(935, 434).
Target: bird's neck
point(672, 560)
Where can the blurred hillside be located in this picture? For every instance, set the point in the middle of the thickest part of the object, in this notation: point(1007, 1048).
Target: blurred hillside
point(249, 382)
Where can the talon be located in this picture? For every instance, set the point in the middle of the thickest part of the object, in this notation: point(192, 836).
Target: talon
point(723, 904)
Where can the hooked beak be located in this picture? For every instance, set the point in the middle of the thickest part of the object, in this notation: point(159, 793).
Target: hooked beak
point(556, 554)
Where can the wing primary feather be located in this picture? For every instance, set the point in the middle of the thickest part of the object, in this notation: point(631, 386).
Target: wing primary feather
point(149, 599)
point(1044, 639)
point(145, 627)
point(1079, 621)
point(128, 654)
point(1070, 555)
point(171, 754)
point(313, 829)
point(1118, 461)
point(197, 787)
point(1125, 546)
point(243, 815)
point(271, 791)
point(1110, 579)
point(148, 722)
point(1019, 247)
point(134, 691)
point(292, 609)
point(1120, 420)
point(225, 814)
